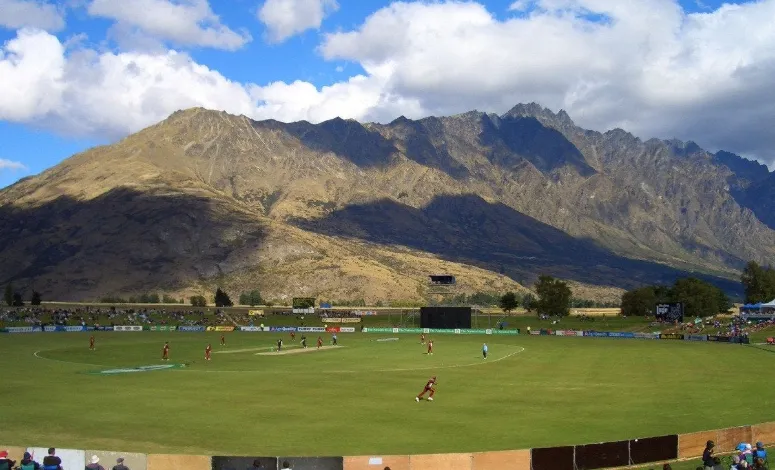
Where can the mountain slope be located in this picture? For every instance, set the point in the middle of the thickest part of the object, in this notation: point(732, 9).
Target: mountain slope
point(349, 210)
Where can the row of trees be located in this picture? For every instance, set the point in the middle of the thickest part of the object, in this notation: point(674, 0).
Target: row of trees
point(14, 299)
point(553, 297)
point(758, 283)
point(700, 298)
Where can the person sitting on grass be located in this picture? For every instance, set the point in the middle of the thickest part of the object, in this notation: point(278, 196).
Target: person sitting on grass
point(28, 464)
point(5, 462)
point(760, 452)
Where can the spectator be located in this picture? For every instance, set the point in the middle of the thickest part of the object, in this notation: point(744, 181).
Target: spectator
point(667, 467)
point(758, 464)
point(95, 464)
point(51, 461)
point(120, 464)
point(286, 466)
point(28, 464)
point(760, 452)
point(735, 462)
point(5, 462)
point(707, 455)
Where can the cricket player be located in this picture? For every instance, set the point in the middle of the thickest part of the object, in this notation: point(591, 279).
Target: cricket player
point(91, 343)
point(165, 352)
point(208, 350)
point(484, 350)
point(429, 388)
point(430, 347)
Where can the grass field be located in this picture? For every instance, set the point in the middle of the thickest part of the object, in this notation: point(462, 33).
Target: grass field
point(359, 398)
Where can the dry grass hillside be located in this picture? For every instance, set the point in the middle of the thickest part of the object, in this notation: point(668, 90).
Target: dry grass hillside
point(344, 210)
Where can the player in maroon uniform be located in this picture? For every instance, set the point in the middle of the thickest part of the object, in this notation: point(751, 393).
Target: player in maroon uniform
point(91, 343)
point(430, 347)
point(293, 336)
point(165, 353)
point(429, 389)
point(223, 339)
point(208, 350)
point(320, 342)
point(422, 338)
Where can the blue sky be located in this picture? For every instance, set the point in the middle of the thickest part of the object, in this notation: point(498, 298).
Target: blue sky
point(64, 111)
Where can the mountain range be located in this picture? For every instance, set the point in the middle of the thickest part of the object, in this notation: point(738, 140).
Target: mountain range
point(347, 210)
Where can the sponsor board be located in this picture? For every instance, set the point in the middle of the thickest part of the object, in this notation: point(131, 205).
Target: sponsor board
point(220, 328)
point(127, 328)
point(505, 332)
point(191, 328)
point(363, 313)
point(332, 329)
point(720, 339)
point(286, 329)
point(254, 313)
point(535, 332)
point(24, 329)
point(311, 329)
point(308, 311)
point(162, 328)
point(696, 337)
point(671, 336)
point(341, 320)
point(103, 328)
point(132, 370)
point(621, 334)
point(647, 335)
point(64, 328)
point(347, 329)
point(596, 334)
point(252, 328)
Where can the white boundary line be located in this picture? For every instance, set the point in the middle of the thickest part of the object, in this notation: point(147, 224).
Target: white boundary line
point(37, 354)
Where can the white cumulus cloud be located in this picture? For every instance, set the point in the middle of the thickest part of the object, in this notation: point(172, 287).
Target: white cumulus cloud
point(15, 14)
point(182, 22)
point(648, 67)
point(11, 165)
point(286, 18)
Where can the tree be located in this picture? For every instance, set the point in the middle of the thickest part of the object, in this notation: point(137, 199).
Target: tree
point(17, 300)
point(9, 294)
point(758, 282)
point(251, 298)
point(528, 301)
point(198, 301)
point(222, 299)
point(700, 298)
point(36, 299)
point(509, 302)
point(639, 302)
point(553, 296)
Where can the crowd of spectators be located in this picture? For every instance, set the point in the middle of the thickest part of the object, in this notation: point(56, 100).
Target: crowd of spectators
point(109, 316)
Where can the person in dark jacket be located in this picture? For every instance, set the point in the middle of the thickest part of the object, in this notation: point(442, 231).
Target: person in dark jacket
point(94, 464)
point(120, 464)
point(707, 455)
point(5, 462)
point(28, 464)
point(51, 461)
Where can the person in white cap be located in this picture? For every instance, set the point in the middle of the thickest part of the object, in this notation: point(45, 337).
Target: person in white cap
point(120, 464)
point(95, 464)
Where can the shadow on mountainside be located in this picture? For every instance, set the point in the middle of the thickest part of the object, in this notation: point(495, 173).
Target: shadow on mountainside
point(495, 237)
point(347, 139)
point(546, 148)
point(759, 197)
point(121, 241)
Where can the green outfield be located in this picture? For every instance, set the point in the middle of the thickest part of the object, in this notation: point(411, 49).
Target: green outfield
point(358, 398)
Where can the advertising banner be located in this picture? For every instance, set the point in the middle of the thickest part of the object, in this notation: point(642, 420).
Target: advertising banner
point(535, 332)
point(647, 335)
point(24, 329)
point(311, 329)
point(254, 313)
point(505, 332)
point(220, 328)
point(671, 336)
point(341, 320)
point(251, 328)
point(363, 313)
point(162, 328)
point(332, 329)
point(378, 330)
point(286, 329)
point(544, 332)
point(347, 329)
point(128, 328)
point(191, 328)
point(621, 334)
point(103, 328)
point(596, 334)
point(53, 328)
point(696, 337)
point(471, 331)
point(720, 339)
